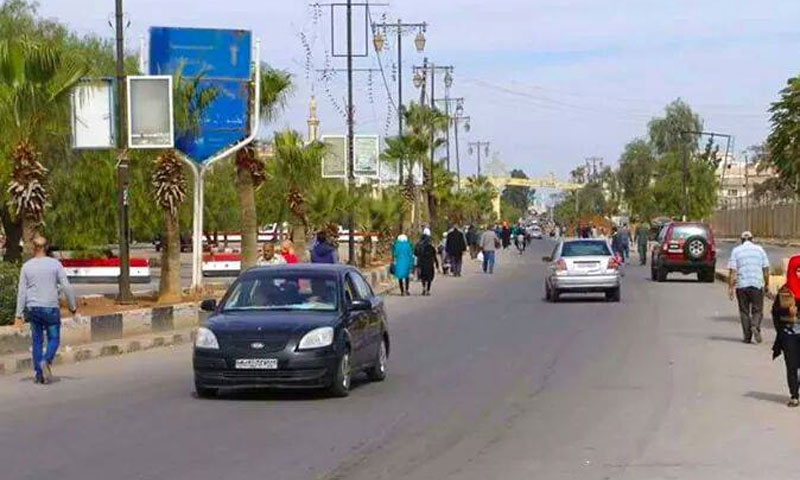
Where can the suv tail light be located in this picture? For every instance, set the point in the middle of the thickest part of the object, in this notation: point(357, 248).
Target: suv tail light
point(612, 264)
point(665, 247)
point(561, 265)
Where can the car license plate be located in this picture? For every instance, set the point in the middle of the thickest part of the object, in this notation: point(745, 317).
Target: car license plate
point(257, 364)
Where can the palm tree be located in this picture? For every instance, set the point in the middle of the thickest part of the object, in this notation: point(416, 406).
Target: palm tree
point(191, 100)
point(275, 86)
point(36, 79)
point(411, 151)
point(426, 126)
point(297, 170)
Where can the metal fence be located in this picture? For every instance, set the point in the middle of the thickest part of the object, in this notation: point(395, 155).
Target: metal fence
point(768, 220)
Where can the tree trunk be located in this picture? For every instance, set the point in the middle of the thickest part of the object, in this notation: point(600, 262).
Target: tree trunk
point(169, 288)
point(300, 241)
point(247, 202)
point(29, 230)
point(13, 233)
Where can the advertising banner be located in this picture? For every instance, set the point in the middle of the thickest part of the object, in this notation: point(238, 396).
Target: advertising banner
point(334, 163)
point(366, 153)
point(150, 112)
point(93, 116)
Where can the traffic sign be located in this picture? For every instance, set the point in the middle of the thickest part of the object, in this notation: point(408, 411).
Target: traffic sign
point(224, 59)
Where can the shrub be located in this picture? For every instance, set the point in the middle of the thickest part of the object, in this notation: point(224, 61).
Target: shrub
point(9, 277)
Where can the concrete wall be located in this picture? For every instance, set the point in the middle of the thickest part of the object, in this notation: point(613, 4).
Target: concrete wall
point(765, 221)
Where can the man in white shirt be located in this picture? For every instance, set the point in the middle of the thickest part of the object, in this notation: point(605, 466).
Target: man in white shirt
point(748, 280)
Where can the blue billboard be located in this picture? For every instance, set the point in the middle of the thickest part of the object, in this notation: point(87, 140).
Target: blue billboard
point(223, 58)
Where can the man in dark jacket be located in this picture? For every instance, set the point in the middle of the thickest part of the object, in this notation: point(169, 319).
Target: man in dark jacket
point(323, 252)
point(455, 245)
point(472, 241)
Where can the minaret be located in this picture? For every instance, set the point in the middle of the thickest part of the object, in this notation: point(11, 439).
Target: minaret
point(313, 121)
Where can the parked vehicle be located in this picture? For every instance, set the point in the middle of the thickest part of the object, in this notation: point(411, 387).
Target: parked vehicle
point(686, 247)
point(582, 266)
point(292, 326)
point(535, 232)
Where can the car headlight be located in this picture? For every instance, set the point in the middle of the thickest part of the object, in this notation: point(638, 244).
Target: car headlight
point(317, 338)
point(206, 339)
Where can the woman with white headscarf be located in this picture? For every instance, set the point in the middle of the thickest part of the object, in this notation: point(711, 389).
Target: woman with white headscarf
point(427, 261)
point(402, 262)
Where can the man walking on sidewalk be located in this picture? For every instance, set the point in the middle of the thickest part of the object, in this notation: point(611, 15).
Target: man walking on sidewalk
point(37, 299)
point(749, 279)
point(455, 245)
point(489, 243)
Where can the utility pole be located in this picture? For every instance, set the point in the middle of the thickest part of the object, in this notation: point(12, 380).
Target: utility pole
point(479, 146)
point(124, 295)
point(456, 120)
point(351, 246)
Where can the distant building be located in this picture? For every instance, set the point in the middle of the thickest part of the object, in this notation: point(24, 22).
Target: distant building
point(737, 180)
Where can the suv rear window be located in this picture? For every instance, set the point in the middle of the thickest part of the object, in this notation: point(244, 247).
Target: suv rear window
point(682, 232)
point(586, 248)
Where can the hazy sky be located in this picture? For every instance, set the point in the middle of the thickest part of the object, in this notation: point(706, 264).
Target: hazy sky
point(547, 82)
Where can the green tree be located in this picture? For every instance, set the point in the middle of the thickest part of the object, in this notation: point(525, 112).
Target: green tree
point(426, 125)
point(783, 142)
point(275, 86)
point(297, 170)
point(36, 78)
point(636, 174)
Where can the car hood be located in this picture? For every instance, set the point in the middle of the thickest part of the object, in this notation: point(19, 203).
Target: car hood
point(273, 322)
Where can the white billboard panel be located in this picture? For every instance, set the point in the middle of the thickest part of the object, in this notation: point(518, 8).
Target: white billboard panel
point(150, 114)
point(334, 163)
point(93, 115)
point(366, 154)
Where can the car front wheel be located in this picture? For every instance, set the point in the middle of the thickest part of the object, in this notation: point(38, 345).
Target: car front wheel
point(377, 373)
point(341, 379)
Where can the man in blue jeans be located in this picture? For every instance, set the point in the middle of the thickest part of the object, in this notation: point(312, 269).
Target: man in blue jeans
point(37, 299)
point(489, 243)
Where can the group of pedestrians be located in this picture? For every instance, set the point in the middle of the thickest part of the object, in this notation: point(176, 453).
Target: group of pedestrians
point(403, 262)
point(423, 257)
point(748, 284)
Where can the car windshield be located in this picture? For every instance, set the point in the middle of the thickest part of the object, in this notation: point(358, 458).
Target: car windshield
point(305, 292)
point(586, 248)
point(682, 232)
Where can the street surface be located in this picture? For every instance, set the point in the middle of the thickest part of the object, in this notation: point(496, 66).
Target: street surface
point(486, 381)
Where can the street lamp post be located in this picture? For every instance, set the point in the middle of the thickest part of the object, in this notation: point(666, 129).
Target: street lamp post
point(458, 118)
point(448, 102)
point(421, 74)
point(379, 40)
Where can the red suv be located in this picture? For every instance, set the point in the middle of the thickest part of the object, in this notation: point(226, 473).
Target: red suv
point(686, 247)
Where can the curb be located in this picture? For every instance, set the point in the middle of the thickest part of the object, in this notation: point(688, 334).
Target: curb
point(21, 362)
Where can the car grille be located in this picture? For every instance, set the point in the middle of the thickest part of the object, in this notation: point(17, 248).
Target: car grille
point(271, 343)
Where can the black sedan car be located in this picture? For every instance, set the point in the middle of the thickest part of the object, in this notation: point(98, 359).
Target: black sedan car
point(292, 326)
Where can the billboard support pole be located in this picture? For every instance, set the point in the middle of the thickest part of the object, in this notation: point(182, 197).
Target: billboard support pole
point(124, 295)
point(199, 170)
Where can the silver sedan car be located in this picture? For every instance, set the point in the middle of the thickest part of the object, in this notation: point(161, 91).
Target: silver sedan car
point(582, 266)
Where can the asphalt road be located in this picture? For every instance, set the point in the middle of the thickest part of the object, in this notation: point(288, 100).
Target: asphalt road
point(486, 381)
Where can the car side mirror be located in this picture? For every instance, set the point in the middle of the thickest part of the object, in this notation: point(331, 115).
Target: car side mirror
point(547, 259)
point(360, 305)
point(208, 305)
